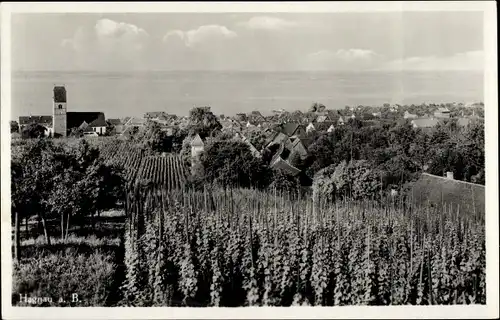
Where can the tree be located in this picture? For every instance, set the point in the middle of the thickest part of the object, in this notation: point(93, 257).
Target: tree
point(323, 183)
point(34, 130)
point(177, 137)
point(203, 122)
point(230, 163)
point(154, 138)
point(284, 182)
point(14, 127)
point(317, 107)
point(257, 138)
point(401, 137)
point(61, 181)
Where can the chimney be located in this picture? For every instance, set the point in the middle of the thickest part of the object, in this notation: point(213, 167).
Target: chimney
point(449, 175)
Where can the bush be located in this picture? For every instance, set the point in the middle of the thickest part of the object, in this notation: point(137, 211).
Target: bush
point(284, 182)
point(63, 274)
point(323, 183)
point(356, 179)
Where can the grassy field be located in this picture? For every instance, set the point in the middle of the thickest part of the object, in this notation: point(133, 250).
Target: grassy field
point(458, 196)
point(88, 263)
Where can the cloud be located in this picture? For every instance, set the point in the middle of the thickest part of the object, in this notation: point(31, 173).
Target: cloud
point(471, 60)
point(106, 44)
point(340, 59)
point(355, 54)
point(268, 23)
point(110, 28)
point(203, 34)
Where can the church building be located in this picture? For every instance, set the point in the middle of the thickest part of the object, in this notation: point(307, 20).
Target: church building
point(64, 121)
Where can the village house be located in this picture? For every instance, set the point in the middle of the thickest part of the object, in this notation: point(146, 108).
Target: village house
point(135, 122)
point(279, 163)
point(424, 123)
point(95, 120)
point(277, 138)
point(44, 121)
point(442, 113)
point(155, 115)
point(253, 150)
point(256, 117)
point(113, 122)
point(325, 126)
point(321, 127)
point(98, 125)
point(197, 146)
point(463, 122)
point(408, 115)
point(299, 148)
point(310, 127)
point(88, 131)
point(394, 108)
point(280, 160)
point(292, 129)
point(323, 118)
point(241, 117)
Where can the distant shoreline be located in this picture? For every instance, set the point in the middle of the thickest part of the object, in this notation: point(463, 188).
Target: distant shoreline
point(248, 71)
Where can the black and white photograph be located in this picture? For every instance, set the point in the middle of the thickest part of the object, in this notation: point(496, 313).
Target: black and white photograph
point(245, 157)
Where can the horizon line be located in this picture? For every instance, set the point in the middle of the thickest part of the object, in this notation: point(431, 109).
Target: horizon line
point(242, 70)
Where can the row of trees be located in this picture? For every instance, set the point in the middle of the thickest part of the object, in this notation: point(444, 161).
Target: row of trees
point(60, 182)
point(400, 151)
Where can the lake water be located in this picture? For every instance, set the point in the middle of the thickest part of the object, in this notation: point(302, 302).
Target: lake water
point(133, 94)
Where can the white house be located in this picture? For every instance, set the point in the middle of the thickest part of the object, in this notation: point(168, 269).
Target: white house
point(197, 146)
point(98, 126)
point(408, 115)
point(442, 113)
point(310, 127)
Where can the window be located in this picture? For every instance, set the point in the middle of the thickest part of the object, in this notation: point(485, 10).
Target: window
point(60, 106)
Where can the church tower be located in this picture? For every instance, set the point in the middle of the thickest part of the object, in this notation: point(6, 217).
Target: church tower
point(59, 118)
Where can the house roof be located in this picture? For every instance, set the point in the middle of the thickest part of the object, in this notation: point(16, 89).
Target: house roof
point(114, 122)
point(197, 142)
point(75, 119)
point(321, 118)
point(83, 126)
point(59, 94)
point(154, 114)
point(241, 117)
point(124, 120)
point(134, 121)
point(306, 142)
point(463, 122)
point(276, 137)
point(87, 129)
point(440, 109)
point(290, 128)
point(323, 126)
point(425, 122)
point(279, 163)
point(298, 145)
point(45, 120)
point(99, 122)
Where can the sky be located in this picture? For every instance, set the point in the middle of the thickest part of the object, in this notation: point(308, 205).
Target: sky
point(346, 41)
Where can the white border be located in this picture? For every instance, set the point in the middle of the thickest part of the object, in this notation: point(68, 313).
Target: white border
point(491, 310)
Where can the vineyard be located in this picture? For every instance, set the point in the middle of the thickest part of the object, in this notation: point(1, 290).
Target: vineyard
point(247, 248)
point(168, 171)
